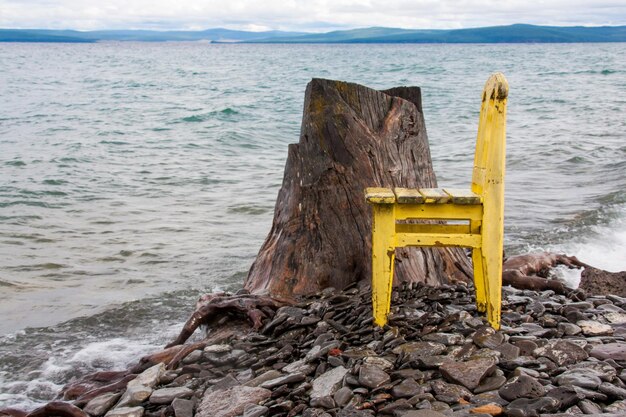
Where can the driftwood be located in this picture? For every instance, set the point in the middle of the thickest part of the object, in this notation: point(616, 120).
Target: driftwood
point(214, 306)
point(352, 137)
point(530, 271)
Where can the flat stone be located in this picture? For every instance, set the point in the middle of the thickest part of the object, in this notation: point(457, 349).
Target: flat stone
point(490, 383)
point(134, 395)
point(612, 391)
point(454, 391)
point(562, 352)
point(382, 363)
point(470, 373)
point(282, 380)
point(521, 387)
point(615, 351)
point(101, 404)
point(589, 407)
point(489, 409)
point(372, 376)
point(487, 337)
point(618, 407)
point(264, 377)
point(568, 396)
point(414, 350)
point(422, 413)
point(167, 395)
point(218, 348)
point(315, 412)
point(532, 407)
point(406, 389)
point(569, 329)
point(585, 378)
point(326, 402)
point(150, 377)
point(255, 411)
point(605, 371)
point(183, 407)
point(593, 328)
point(126, 412)
point(226, 382)
point(231, 402)
point(614, 317)
point(343, 396)
point(445, 338)
point(299, 366)
point(508, 351)
point(328, 383)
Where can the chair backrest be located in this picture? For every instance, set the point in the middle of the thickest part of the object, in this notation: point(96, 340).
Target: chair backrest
point(489, 159)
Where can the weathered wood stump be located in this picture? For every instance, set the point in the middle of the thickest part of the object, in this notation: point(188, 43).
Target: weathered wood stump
point(352, 137)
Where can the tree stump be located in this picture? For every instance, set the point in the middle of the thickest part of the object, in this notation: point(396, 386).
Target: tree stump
point(352, 137)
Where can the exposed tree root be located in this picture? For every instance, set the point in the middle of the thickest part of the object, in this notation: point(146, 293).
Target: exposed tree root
point(212, 307)
point(58, 409)
point(529, 272)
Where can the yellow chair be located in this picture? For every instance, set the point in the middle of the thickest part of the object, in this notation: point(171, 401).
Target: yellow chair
point(477, 215)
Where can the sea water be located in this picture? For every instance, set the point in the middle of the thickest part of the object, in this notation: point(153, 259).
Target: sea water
point(136, 176)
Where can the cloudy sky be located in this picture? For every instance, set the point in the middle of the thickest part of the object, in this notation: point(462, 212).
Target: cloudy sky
point(304, 15)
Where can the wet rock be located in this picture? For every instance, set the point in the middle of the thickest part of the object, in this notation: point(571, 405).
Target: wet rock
point(299, 366)
point(579, 377)
point(593, 328)
point(231, 402)
point(598, 282)
point(351, 412)
point(562, 352)
point(521, 387)
point(183, 407)
point(470, 373)
point(167, 395)
point(315, 412)
point(532, 407)
point(223, 383)
point(101, 404)
point(372, 376)
point(328, 383)
point(615, 351)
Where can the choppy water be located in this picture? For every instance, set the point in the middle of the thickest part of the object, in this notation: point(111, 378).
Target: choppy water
point(133, 177)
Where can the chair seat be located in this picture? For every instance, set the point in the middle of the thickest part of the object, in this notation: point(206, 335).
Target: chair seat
point(422, 196)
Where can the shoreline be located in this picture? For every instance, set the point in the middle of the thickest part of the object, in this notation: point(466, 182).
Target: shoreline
point(553, 356)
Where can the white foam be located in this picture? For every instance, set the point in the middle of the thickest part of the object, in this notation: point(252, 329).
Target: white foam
point(603, 248)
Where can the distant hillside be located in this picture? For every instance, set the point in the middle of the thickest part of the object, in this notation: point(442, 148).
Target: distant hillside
point(213, 35)
point(518, 33)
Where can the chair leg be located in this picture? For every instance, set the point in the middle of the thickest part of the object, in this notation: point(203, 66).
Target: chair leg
point(479, 280)
point(492, 267)
point(383, 256)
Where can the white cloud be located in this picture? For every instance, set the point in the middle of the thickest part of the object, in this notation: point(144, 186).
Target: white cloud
point(318, 15)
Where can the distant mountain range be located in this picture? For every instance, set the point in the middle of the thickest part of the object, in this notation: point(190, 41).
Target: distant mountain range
point(519, 33)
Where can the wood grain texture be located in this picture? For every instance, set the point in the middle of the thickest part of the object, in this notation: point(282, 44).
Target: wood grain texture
point(352, 137)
